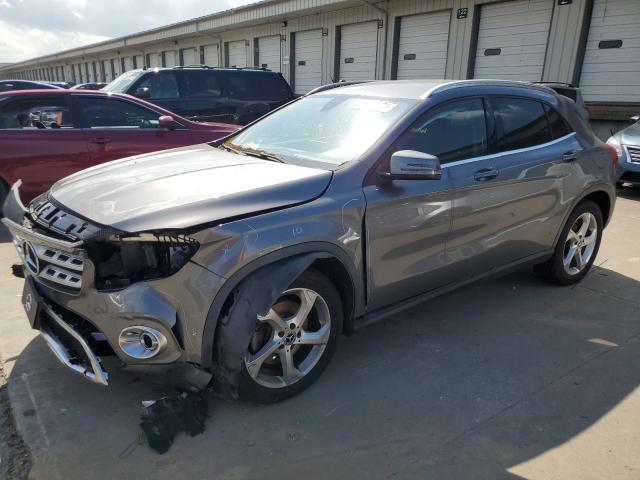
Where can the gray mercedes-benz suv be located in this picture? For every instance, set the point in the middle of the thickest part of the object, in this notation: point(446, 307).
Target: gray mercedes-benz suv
point(250, 256)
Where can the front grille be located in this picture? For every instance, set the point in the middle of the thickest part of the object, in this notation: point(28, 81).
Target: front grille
point(634, 154)
point(51, 265)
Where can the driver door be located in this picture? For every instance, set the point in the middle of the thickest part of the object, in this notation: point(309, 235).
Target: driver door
point(408, 222)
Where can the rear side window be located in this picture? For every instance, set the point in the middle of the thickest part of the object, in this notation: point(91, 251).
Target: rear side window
point(521, 122)
point(111, 113)
point(256, 86)
point(203, 84)
point(454, 131)
point(36, 113)
point(559, 127)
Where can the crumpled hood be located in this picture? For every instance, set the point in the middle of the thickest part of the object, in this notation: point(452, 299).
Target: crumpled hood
point(184, 187)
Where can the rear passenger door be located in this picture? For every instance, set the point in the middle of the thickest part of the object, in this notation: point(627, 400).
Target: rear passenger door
point(508, 204)
point(205, 97)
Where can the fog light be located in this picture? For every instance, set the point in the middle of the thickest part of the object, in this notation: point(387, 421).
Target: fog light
point(142, 342)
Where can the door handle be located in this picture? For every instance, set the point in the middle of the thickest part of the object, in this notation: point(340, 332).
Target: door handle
point(100, 140)
point(486, 174)
point(570, 156)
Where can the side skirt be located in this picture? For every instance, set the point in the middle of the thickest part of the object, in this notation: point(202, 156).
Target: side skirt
point(380, 314)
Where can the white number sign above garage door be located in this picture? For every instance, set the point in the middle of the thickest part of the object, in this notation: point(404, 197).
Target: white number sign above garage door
point(512, 40)
point(611, 68)
point(422, 46)
point(358, 52)
point(307, 61)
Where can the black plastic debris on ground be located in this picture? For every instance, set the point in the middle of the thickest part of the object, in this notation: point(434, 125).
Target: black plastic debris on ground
point(163, 419)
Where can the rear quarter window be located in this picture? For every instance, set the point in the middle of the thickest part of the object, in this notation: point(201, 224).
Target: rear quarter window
point(255, 86)
point(521, 123)
point(559, 127)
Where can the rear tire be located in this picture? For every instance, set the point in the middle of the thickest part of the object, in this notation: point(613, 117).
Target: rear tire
point(289, 350)
point(577, 246)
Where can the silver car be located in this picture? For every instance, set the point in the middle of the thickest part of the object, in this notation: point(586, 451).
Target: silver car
point(250, 256)
point(627, 144)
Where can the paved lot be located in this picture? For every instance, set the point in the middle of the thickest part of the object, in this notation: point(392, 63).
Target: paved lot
point(510, 378)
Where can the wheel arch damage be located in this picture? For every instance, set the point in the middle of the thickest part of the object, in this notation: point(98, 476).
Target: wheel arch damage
point(252, 290)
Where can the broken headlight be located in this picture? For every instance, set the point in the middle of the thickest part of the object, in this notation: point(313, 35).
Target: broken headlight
point(123, 260)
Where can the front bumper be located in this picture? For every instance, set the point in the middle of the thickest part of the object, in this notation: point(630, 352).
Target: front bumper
point(176, 307)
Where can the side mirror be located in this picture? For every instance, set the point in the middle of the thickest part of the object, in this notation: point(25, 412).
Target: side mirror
point(412, 165)
point(142, 92)
point(167, 121)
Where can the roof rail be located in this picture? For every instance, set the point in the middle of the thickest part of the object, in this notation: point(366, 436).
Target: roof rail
point(182, 67)
point(331, 86)
point(488, 83)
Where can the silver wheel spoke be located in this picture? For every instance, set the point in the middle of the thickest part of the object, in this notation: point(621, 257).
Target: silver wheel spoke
point(579, 258)
point(572, 235)
point(290, 372)
point(254, 362)
point(273, 319)
point(590, 239)
point(586, 220)
point(570, 255)
point(320, 337)
point(307, 301)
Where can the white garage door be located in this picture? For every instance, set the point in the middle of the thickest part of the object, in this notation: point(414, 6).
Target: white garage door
point(128, 65)
point(211, 55)
point(154, 60)
point(116, 67)
point(105, 72)
point(170, 59)
point(422, 48)
point(189, 56)
point(138, 61)
point(512, 40)
point(358, 51)
point(308, 61)
point(269, 52)
point(237, 52)
point(611, 68)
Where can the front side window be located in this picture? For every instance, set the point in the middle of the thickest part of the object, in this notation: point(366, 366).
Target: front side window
point(123, 82)
point(36, 113)
point(161, 85)
point(323, 130)
point(521, 122)
point(454, 131)
point(112, 113)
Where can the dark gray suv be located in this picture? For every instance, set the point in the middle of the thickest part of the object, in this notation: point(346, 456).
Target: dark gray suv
point(249, 257)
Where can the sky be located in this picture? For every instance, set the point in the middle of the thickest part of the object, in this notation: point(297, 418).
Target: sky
point(31, 28)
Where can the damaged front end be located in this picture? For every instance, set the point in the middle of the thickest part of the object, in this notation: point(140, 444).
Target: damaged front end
point(92, 290)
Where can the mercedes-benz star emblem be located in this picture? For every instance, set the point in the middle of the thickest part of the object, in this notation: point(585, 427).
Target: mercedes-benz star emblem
point(31, 258)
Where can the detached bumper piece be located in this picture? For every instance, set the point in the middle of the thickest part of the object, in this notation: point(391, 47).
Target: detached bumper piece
point(71, 348)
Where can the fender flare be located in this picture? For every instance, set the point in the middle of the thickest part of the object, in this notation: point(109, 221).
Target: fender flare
point(597, 187)
point(322, 249)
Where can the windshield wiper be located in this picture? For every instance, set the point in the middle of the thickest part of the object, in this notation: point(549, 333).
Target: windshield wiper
point(253, 153)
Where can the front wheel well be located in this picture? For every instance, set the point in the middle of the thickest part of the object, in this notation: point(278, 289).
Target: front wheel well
point(333, 269)
point(601, 198)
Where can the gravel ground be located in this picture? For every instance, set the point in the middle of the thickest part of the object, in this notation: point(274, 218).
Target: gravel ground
point(15, 459)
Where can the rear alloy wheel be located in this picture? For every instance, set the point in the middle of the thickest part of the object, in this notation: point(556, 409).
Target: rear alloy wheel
point(577, 247)
point(293, 341)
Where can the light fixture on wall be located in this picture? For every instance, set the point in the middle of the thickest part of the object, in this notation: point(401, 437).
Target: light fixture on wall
point(283, 24)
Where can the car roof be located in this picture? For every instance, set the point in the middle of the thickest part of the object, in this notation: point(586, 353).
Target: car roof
point(196, 68)
point(423, 89)
point(62, 91)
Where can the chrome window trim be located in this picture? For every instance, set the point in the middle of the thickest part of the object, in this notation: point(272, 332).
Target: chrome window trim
point(508, 152)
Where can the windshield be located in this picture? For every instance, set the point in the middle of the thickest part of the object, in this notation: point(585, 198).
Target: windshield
point(123, 82)
point(322, 130)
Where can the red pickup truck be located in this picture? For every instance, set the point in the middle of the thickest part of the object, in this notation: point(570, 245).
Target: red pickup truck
point(46, 135)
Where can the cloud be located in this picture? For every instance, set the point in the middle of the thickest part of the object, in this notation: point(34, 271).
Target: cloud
point(32, 28)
